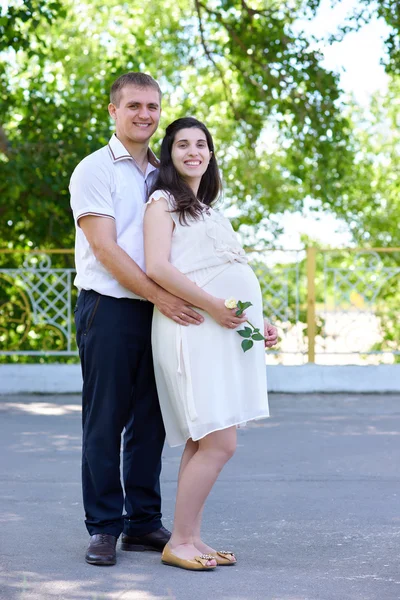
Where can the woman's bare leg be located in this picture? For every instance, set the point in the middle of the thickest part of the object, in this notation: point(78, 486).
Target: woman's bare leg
point(196, 479)
point(190, 450)
point(202, 547)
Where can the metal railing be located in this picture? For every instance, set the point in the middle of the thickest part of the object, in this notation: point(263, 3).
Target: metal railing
point(352, 304)
point(331, 306)
point(36, 303)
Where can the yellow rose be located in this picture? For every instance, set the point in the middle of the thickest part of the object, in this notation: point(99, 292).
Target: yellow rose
point(231, 303)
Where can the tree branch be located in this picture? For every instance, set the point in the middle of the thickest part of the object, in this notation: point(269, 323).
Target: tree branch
point(209, 55)
point(4, 143)
point(252, 11)
point(236, 38)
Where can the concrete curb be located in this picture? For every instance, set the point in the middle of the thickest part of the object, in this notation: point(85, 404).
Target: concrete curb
point(312, 378)
point(65, 379)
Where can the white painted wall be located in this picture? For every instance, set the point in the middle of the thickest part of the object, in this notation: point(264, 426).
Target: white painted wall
point(62, 379)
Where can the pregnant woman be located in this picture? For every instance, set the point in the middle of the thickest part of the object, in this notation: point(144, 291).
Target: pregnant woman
point(206, 384)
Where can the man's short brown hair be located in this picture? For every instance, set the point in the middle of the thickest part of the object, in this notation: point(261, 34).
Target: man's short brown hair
point(140, 80)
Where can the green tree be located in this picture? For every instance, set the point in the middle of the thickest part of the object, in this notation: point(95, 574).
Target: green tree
point(374, 219)
point(274, 110)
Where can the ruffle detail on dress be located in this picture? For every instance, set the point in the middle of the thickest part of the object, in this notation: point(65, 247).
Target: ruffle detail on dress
point(164, 195)
point(226, 244)
point(156, 196)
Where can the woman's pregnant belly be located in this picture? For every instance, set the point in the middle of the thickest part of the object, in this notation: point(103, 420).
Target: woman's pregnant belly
point(239, 281)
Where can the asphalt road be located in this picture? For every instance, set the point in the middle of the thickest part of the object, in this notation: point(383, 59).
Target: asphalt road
point(310, 505)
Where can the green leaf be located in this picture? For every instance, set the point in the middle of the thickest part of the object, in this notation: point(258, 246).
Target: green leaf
point(246, 332)
point(257, 337)
point(242, 307)
point(245, 305)
point(246, 345)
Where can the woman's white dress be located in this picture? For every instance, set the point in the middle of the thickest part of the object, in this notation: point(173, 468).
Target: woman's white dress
point(204, 379)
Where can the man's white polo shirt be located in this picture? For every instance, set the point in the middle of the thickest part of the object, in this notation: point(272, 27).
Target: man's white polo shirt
point(110, 184)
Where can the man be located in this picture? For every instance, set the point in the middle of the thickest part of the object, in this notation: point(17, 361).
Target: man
point(113, 323)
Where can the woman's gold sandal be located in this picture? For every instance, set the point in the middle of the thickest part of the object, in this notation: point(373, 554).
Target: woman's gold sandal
point(223, 558)
point(198, 563)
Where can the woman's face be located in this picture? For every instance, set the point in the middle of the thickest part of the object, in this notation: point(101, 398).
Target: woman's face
point(190, 153)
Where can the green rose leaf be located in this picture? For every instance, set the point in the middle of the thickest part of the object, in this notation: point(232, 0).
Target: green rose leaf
point(245, 305)
point(257, 337)
point(246, 345)
point(242, 307)
point(246, 332)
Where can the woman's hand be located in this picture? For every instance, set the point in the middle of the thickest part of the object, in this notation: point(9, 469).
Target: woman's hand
point(270, 334)
point(226, 317)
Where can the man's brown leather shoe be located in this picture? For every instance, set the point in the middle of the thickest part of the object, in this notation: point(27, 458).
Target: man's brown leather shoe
point(101, 550)
point(156, 540)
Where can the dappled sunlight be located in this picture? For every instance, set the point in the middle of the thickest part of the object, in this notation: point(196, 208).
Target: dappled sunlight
point(79, 589)
point(285, 597)
point(111, 585)
point(361, 429)
point(42, 441)
point(6, 517)
point(41, 408)
point(369, 430)
point(96, 586)
point(333, 418)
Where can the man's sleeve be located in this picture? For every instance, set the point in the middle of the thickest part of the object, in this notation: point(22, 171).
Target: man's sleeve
point(90, 189)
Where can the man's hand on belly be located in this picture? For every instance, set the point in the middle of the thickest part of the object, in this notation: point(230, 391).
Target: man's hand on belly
point(177, 309)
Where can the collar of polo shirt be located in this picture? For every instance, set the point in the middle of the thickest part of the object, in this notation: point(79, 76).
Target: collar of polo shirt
point(119, 152)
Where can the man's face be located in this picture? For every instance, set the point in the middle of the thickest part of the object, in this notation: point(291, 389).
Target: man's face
point(138, 114)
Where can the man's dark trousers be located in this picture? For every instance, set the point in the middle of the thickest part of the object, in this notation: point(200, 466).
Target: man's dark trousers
point(119, 391)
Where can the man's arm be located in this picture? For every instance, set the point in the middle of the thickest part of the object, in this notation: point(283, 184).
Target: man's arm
point(102, 236)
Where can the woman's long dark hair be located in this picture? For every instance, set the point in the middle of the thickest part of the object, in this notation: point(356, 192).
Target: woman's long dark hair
point(168, 178)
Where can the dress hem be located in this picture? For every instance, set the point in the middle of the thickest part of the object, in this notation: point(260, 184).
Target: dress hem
point(266, 416)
